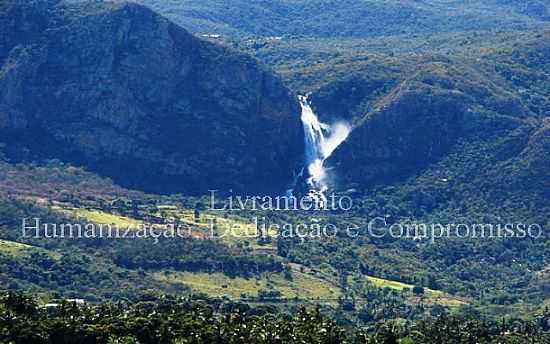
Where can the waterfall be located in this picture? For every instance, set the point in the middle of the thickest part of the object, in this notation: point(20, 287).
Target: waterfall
point(321, 140)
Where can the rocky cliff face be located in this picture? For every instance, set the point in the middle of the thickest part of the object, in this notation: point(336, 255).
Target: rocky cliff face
point(126, 92)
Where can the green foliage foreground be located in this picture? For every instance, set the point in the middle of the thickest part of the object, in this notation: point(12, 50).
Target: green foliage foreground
point(170, 320)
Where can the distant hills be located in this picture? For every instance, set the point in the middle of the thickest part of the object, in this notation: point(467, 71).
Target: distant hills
point(350, 18)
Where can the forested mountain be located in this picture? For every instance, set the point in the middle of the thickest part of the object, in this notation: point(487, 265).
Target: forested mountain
point(118, 88)
point(423, 112)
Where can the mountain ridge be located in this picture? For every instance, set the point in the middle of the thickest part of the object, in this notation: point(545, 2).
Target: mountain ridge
point(349, 18)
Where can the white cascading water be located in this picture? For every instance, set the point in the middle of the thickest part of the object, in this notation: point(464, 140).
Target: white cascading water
point(321, 140)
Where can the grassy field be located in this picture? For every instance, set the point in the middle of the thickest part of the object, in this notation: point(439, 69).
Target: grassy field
point(231, 230)
point(430, 296)
point(301, 286)
point(13, 248)
point(100, 217)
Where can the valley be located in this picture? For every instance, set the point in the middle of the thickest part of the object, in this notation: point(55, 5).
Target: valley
point(226, 170)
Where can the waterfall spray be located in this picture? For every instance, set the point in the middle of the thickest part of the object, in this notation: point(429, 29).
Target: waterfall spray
point(321, 140)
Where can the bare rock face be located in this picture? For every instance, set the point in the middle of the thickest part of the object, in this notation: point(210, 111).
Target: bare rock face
point(130, 95)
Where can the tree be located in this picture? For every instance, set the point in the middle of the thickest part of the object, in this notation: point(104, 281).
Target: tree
point(418, 290)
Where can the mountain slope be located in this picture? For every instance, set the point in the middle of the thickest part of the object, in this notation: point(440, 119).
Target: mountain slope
point(129, 94)
point(408, 111)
